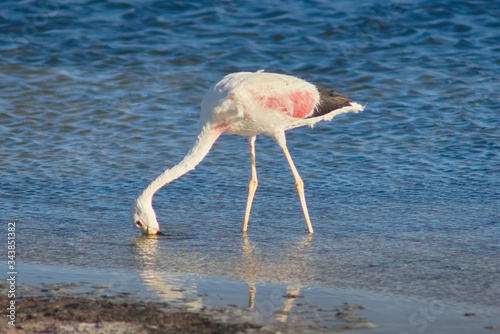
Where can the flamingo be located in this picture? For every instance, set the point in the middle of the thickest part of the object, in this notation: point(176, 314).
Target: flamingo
point(249, 104)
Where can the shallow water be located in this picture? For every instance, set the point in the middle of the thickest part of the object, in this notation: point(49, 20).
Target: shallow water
point(302, 308)
point(97, 98)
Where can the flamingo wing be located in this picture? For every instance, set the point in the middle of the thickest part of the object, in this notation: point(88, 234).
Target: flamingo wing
point(273, 92)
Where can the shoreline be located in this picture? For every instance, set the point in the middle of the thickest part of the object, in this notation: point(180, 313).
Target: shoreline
point(210, 303)
point(60, 308)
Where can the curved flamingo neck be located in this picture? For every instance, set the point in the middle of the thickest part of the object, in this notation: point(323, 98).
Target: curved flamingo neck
point(206, 138)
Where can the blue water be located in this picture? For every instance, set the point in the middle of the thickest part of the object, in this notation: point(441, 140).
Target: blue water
point(98, 97)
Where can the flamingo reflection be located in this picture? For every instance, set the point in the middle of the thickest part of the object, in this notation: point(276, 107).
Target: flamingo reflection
point(254, 266)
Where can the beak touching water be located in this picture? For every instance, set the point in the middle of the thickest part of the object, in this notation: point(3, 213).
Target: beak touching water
point(147, 230)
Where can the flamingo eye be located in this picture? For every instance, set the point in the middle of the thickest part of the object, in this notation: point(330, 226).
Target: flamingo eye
point(138, 223)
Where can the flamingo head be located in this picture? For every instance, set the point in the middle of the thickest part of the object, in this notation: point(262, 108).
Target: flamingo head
point(143, 216)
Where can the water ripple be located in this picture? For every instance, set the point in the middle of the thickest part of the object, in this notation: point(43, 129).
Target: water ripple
point(98, 97)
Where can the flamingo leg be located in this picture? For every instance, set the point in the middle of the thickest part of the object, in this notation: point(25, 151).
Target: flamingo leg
point(252, 185)
point(299, 187)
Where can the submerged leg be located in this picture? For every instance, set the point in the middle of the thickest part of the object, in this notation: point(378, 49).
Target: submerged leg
point(252, 185)
point(299, 186)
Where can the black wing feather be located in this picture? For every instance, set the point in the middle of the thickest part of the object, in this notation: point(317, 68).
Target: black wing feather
point(329, 101)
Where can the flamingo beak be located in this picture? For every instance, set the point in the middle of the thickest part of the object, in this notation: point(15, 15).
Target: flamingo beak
point(150, 231)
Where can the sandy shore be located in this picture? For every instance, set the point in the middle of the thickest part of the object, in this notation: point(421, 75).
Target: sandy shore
point(61, 308)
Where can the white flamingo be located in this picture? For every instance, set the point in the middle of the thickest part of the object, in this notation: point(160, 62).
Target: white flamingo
point(249, 104)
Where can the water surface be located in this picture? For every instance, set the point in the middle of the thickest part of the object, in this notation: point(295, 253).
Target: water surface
point(97, 98)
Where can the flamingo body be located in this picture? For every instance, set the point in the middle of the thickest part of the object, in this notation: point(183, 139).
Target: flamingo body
point(249, 104)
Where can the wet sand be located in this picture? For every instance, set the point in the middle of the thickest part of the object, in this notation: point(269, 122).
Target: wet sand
point(60, 308)
point(83, 315)
point(80, 300)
